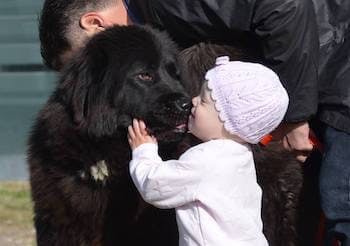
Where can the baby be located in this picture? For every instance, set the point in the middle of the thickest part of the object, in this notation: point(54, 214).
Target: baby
point(213, 185)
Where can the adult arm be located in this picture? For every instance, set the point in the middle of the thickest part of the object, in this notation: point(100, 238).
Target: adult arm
point(290, 45)
point(288, 33)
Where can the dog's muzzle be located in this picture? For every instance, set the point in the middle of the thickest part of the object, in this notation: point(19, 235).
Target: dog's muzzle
point(170, 115)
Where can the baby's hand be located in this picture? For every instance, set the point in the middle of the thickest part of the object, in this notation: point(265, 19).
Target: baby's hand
point(138, 135)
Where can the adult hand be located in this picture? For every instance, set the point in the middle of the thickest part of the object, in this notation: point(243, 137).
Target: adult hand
point(295, 138)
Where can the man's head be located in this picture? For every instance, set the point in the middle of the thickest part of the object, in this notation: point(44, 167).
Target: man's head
point(65, 25)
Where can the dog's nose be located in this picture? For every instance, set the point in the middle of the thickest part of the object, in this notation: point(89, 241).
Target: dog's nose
point(183, 105)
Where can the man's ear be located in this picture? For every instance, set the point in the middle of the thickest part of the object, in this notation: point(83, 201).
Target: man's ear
point(92, 23)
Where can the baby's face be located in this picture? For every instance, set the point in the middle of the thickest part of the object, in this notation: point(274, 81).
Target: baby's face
point(204, 120)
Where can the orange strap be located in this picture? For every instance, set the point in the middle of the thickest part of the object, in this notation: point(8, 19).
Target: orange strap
point(313, 140)
point(266, 140)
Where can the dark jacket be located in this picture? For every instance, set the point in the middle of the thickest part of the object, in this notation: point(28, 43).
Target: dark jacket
point(333, 19)
point(284, 30)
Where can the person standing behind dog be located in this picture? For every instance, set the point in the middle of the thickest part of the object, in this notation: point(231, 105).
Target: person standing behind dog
point(213, 185)
point(334, 117)
point(284, 31)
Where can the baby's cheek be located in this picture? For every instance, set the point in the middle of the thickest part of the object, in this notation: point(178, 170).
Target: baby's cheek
point(189, 125)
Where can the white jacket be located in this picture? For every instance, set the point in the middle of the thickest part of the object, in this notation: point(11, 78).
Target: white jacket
point(213, 188)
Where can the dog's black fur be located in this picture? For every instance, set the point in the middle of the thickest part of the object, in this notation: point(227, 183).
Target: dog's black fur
point(122, 73)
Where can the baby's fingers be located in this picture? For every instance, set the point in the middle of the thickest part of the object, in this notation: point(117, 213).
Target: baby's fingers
point(131, 132)
point(136, 127)
point(143, 128)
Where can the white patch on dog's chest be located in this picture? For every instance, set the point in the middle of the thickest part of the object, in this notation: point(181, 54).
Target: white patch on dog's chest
point(99, 172)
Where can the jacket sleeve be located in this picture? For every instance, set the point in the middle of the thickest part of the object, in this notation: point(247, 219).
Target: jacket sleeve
point(288, 33)
point(164, 184)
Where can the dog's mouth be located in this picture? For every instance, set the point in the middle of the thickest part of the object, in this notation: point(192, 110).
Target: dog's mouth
point(173, 131)
point(167, 117)
point(182, 128)
point(178, 129)
point(169, 125)
point(165, 126)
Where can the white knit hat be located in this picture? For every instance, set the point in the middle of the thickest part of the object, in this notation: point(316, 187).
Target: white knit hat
point(249, 97)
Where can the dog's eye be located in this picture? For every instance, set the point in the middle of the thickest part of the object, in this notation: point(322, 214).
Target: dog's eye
point(145, 77)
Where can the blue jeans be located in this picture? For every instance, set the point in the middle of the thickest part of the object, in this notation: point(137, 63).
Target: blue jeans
point(335, 185)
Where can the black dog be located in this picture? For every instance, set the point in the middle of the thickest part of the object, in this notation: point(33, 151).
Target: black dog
point(78, 153)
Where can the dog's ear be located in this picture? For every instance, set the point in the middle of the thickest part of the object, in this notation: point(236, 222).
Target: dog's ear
point(92, 94)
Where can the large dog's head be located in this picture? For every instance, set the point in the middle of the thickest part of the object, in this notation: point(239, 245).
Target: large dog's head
point(124, 73)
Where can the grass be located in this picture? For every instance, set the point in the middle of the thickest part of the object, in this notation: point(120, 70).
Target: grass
point(16, 214)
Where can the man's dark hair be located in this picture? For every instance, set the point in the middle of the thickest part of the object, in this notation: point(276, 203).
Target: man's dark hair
point(57, 17)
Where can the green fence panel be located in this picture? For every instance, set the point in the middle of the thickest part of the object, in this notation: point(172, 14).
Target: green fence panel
point(21, 83)
point(23, 28)
point(25, 84)
point(9, 7)
point(20, 53)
